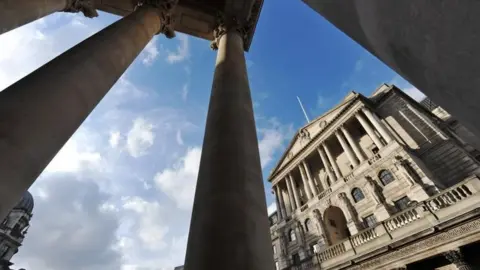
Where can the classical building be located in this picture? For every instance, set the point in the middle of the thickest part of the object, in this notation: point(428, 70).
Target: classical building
point(381, 182)
point(14, 229)
point(40, 112)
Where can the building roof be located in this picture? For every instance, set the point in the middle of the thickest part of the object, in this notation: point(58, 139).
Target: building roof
point(26, 203)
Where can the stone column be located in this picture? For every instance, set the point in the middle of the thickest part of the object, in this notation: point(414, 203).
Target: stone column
point(332, 162)
point(277, 201)
point(230, 210)
point(356, 148)
point(295, 191)
point(377, 124)
point(291, 200)
point(369, 130)
point(353, 222)
point(16, 13)
point(327, 167)
point(456, 257)
point(347, 149)
point(306, 188)
point(313, 188)
point(427, 122)
point(40, 112)
point(321, 227)
point(282, 201)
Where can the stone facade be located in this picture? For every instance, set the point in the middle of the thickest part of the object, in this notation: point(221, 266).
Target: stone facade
point(351, 176)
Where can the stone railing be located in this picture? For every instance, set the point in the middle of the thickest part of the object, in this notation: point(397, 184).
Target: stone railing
point(324, 193)
point(420, 217)
point(374, 159)
point(332, 252)
point(304, 207)
point(349, 177)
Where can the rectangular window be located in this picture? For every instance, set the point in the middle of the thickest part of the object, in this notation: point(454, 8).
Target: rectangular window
point(296, 259)
point(369, 221)
point(402, 203)
point(375, 150)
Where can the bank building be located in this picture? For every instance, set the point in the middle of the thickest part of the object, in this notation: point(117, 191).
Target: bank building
point(379, 182)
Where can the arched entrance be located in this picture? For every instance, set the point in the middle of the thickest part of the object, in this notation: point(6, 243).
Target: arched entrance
point(335, 224)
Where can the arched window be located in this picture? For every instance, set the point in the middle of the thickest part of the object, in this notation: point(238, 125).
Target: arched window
point(308, 225)
point(386, 177)
point(292, 236)
point(357, 194)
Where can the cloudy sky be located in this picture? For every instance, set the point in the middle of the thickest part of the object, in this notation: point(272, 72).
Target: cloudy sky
point(119, 194)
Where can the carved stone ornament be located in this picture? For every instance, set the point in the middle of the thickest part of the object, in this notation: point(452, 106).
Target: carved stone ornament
point(165, 10)
point(456, 257)
point(84, 6)
point(304, 134)
point(223, 25)
point(322, 124)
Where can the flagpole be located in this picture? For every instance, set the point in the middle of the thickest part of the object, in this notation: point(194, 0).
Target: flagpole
point(303, 109)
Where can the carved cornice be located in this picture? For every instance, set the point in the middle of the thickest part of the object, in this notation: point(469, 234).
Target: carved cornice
point(165, 10)
point(87, 7)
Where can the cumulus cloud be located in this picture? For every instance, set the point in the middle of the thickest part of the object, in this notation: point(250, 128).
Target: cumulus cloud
point(140, 137)
point(150, 53)
point(114, 139)
point(182, 52)
point(272, 139)
point(178, 182)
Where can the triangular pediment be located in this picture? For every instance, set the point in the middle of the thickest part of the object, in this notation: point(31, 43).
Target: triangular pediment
point(310, 131)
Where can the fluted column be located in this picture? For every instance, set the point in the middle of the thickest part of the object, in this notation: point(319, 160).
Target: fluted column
point(306, 188)
point(277, 202)
point(16, 13)
point(347, 149)
point(371, 133)
point(281, 202)
point(295, 191)
point(377, 124)
point(40, 112)
point(291, 200)
point(332, 162)
point(356, 148)
point(327, 167)
point(313, 188)
point(456, 257)
point(229, 210)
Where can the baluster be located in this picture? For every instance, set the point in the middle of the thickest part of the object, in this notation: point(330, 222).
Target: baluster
point(462, 193)
point(467, 190)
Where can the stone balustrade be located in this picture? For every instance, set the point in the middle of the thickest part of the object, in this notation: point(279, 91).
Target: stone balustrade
point(464, 196)
point(304, 207)
point(349, 177)
point(374, 159)
point(324, 193)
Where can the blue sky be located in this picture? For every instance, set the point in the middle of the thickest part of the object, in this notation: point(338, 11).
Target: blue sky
point(120, 191)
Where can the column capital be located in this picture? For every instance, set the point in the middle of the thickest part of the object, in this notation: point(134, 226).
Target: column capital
point(456, 257)
point(164, 9)
point(224, 25)
point(87, 7)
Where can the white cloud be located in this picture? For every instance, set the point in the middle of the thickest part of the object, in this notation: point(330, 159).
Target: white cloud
point(179, 182)
point(140, 137)
point(272, 139)
point(114, 140)
point(182, 52)
point(179, 137)
point(150, 53)
point(271, 208)
point(185, 92)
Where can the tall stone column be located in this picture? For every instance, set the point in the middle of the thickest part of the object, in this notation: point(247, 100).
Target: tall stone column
point(327, 167)
point(371, 133)
point(40, 112)
point(306, 188)
point(282, 207)
point(347, 149)
point(313, 188)
point(295, 191)
point(456, 257)
point(277, 201)
point(291, 200)
point(16, 13)
point(377, 124)
point(230, 211)
point(356, 148)
point(332, 161)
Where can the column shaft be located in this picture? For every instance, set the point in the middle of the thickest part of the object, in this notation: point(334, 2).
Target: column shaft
point(39, 113)
point(369, 130)
point(230, 211)
point(377, 124)
point(282, 207)
point(295, 192)
point(356, 148)
point(310, 179)
point(277, 201)
point(427, 122)
point(291, 200)
point(332, 162)
point(327, 167)
point(306, 188)
point(347, 149)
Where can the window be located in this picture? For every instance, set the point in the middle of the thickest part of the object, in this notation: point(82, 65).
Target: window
point(369, 221)
point(375, 150)
point(402, 203)
point(291, 236)
point(308, 225)
point(296, 259)
point(386, 177)
point(357, 194)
